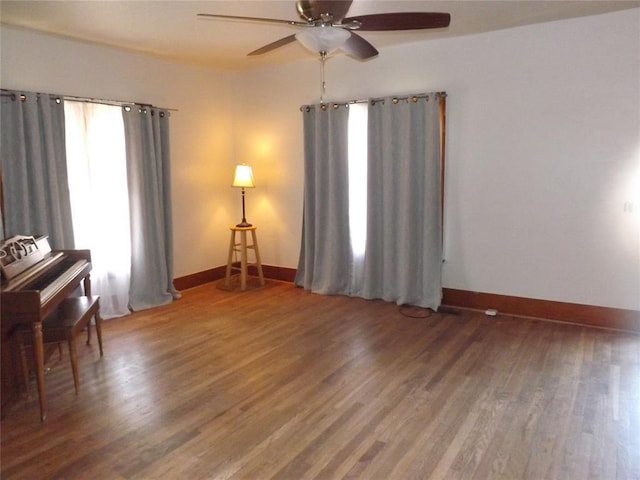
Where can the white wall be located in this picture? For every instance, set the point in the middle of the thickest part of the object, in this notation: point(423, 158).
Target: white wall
point(543, 151)
point(543, 147)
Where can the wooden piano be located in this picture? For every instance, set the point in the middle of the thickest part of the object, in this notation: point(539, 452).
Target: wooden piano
point(35, 280)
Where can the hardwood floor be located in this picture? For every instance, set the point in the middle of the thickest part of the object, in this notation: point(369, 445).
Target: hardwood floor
point(281, 383)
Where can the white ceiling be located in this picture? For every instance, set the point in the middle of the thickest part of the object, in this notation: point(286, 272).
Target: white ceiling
point(171, 29)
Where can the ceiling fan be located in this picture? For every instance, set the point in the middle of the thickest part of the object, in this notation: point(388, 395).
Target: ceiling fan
point(325, 27)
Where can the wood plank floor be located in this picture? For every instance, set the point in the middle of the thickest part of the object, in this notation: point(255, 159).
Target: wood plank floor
point(281, 383)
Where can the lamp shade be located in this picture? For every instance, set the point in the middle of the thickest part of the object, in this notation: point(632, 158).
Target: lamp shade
point(243, 177)
point(322, 39)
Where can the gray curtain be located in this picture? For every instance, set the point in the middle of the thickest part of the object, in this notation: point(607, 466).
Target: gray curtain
point(403, 255)
point(325, 253)
point(34, 167)
point(148, 171)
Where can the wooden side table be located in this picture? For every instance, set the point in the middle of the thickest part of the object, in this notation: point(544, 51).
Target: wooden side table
point(242, 248)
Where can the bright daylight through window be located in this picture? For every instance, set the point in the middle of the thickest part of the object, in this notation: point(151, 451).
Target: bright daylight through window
point(358, 178)
point(96, 163)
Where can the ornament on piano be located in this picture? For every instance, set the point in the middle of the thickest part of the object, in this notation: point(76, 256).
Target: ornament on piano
point(19, 253)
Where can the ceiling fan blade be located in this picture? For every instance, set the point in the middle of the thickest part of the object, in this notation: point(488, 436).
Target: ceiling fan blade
point(337, 8)
point(358, 47)
point(254, 19)
point(273, 46)
point(401, 21)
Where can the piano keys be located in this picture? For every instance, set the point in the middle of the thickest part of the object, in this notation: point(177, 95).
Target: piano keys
point(35, 280)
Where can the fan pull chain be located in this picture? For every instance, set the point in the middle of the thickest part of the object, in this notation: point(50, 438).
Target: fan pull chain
point(323, 58)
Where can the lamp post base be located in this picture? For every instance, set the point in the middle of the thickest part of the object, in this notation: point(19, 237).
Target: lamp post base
point(244, 224)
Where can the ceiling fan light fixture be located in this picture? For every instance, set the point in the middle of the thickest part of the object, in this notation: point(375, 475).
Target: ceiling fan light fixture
point(322, 39)
point(326, 27)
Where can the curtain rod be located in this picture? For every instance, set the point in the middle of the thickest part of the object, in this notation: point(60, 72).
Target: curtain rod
point(101, 101)
point(394, 99)
point(117, 103)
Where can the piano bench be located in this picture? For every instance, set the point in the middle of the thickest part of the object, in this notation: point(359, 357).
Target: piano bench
point(65, 323)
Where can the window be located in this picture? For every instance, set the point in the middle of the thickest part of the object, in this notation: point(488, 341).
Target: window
point(372, 224)
point(357, 159)
point(97, 169)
